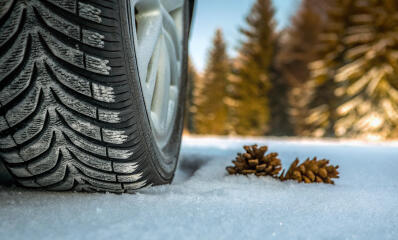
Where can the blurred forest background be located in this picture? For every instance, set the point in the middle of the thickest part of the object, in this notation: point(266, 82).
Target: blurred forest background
point(332, 73)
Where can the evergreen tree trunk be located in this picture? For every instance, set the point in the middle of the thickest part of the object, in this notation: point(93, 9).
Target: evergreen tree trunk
point(280, 124)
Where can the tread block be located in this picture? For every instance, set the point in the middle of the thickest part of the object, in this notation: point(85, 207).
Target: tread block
point(108, 116)
point(53, 177)
point(7, 142)
point(66, 184)
point(20, 83)
point(14, 57)
point(90, 160)
point(113, 116)
point(39, 146)
point(84, 144)
point(64, 52)
point(32, 128)
point(68, 5)
point(93, 39)
point(73, 103)
point(12, 24)
point(135, 186)
point(70, 80)
point(3, 124)
point(103, 185)
point(45, 164)
point(103, 93)
point(20, 172)
point(129, 178)
point(120, 153)
point(57, 22)
point(97, 65)
point(98, 175)
point(28, 183)
point(80, 125)
point(5, 7)
point(24, 108)
point(121, 167)
point(11, 157)
point(89, 12)
point(114, 136)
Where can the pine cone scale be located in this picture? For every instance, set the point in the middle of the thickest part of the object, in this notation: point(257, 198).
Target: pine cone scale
point(261, 167)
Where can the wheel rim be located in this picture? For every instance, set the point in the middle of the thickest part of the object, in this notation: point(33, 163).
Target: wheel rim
point(158, 41)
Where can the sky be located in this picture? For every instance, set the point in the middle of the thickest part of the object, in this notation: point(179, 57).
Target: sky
point(228, 15)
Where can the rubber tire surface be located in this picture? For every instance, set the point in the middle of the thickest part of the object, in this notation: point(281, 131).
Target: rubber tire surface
point(72, 114)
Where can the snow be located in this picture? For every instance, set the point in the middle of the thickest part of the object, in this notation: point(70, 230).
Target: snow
point(205, 203)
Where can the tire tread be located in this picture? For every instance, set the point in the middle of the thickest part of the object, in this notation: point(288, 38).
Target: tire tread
point(65, 115)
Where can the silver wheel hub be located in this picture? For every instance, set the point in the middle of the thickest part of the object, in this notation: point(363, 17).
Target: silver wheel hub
point(158, 38)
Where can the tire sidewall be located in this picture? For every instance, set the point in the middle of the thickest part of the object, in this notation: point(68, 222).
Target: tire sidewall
point(156, 158)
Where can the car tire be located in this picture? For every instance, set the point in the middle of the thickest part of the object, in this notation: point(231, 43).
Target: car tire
point(73, 110)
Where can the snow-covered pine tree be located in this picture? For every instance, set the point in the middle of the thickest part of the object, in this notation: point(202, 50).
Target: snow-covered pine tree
point(322, 103)
point(250, 108)
point(211, 112)
point(369, 77)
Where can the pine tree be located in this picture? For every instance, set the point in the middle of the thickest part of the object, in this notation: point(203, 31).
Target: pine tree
point(211, 116)
point(190, 108)
point(356, 81)
point(299, 39)
point(369, 75)
point(251, 84)
point(296, 52)
point(330, 48)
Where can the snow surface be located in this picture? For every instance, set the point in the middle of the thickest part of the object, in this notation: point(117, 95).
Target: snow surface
point(205, 203)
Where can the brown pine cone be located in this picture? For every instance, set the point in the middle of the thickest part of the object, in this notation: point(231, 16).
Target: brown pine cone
point(311, 171)
point(254, 161)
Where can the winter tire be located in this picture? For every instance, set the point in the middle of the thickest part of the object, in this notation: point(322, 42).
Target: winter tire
point(91, 92)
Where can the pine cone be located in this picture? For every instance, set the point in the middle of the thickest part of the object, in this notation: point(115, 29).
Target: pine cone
point(254, 161)
point(311, 171)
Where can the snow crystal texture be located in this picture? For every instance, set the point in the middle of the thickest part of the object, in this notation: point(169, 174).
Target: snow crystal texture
point(205, 203)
